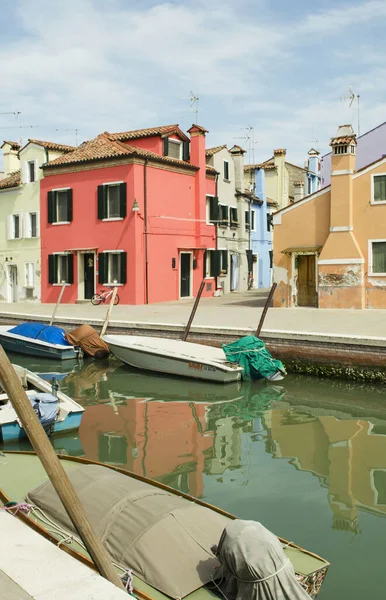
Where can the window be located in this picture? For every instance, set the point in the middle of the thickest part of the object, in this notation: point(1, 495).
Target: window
point(223, 216)
point(250, 220)
point(379, 479)
point(234, 219)
point(60, 268)
point(226, 170)
point(215, 263)
point(112, 201)
point(60, 206)
point(176, 149)
point(269, 222)
point(378, 257)
point(247, 220)
point(379, 187)
point(112, 267)
point(31, 171)
point(29, 274)
point(212, 209)
point(15, 229)
point(31, 225)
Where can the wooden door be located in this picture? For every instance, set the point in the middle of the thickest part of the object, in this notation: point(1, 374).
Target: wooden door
point(306, 280)
point(89, 275)
point(185, 267)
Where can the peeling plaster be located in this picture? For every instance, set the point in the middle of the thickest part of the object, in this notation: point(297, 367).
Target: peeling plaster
point(351, 277)
point(377, 283)
point(280, 275)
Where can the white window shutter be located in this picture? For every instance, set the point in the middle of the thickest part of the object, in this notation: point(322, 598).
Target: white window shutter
point(36, 170)
point(37, 223)
point(20, 225)
point(24, 172)
point(27, 225)
point(10, 232)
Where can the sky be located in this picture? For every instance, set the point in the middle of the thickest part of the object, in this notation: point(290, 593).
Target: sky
point(279, 68)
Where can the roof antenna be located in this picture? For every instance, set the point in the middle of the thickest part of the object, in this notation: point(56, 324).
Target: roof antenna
point(352, 97)
point(250, 138)
point(193, 104)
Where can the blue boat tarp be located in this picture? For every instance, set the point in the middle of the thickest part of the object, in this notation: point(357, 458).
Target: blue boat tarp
point(42, 332)
point(251, 354)
point(46, 407)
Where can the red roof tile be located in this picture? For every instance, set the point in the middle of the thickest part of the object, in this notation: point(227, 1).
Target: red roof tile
point(211, 151)
point(103, 147)
point(14, 145)
point(51, 145)
point(11, 180)
point(162, 131)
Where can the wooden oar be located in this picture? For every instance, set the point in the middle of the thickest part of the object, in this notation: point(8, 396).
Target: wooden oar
point(54, 469)
point(195, 305)
point(265, 309)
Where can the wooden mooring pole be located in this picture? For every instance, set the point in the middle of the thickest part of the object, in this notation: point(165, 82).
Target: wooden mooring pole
point(58, 302)
point(265, 309)
point(195, 305)
point(107, 319)
point(54, 469)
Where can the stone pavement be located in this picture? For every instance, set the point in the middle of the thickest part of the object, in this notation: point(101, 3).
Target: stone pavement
point(239, 311)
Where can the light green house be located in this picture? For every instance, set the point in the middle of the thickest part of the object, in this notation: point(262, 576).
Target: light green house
point(20, 217)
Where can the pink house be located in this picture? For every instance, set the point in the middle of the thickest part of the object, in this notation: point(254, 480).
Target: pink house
point(130, 208)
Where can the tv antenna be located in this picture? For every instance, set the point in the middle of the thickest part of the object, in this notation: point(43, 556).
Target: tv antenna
point(352, 98)
point(193, 104)
point(250, 139)
point(12, 112)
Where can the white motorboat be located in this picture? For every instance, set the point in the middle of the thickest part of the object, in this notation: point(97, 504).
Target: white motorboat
point(66, 415)
point(174, 357)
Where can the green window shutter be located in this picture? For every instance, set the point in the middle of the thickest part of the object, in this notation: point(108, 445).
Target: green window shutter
point(213, 209)
point(204, 264)
point(69, 205)
point(70, 267)
point(51, 207)
point(122, 199)
point(215, 263)
point(123, 267)
point(102, 202)
point(380, 188)
point(249, 260)
point(224, 260)
point(234, 216)
point(247, 220)
point(166, 146)
point(52, 267)
point(225, 214)
point(102, 267)
point(185, 151)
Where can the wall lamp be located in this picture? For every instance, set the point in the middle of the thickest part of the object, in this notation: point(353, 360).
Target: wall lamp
point(135, 206)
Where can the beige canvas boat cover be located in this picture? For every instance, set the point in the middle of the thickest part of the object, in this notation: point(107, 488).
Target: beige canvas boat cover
point(165, 539)
point(254, 565)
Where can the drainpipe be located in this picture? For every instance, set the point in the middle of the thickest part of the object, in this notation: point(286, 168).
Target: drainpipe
point(145, 230)
point(216, 229)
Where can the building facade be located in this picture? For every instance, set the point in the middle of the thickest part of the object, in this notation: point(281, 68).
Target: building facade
point(20, 260)
point(330, 247)
point(130, 209)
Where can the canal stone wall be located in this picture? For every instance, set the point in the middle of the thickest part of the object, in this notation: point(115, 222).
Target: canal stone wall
point(356, 358)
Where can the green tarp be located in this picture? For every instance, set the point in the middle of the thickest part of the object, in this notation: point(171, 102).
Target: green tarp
point(251, 354)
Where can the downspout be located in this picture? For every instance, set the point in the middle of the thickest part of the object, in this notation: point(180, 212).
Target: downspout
point(145, 230)
point(216, 230)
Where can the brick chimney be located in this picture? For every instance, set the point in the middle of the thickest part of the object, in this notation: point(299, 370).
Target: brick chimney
point(11, 157)
point(341, 262)
point(238, 160)
point(198, 159)
point(279, 161)
point(298, 190)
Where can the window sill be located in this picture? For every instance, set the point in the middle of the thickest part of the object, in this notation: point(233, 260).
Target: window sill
point(61, 284)
point(234, 225)
point(113, 219)
point(210, 223)
point(223, 224)
point(113, 285)
point(61, 223)
point(376, 274)
point(376, 202)
point(226, 180)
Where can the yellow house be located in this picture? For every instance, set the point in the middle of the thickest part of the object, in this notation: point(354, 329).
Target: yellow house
point(19, 217)
point(330, 247)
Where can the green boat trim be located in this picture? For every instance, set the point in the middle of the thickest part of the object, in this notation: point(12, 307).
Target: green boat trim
point(309, 567)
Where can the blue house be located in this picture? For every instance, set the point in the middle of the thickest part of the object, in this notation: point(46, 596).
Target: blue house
point(261, 242)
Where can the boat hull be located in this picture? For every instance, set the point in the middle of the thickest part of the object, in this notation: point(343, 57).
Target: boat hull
point(11, 432)
point(174, 366)
point(23, 345)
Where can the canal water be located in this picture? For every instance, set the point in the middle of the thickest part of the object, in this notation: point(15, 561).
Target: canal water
point(305, 457)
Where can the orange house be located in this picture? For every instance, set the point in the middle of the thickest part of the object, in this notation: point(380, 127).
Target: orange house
point(330, 247)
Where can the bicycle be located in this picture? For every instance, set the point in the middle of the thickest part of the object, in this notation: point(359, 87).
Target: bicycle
point(103, 296)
